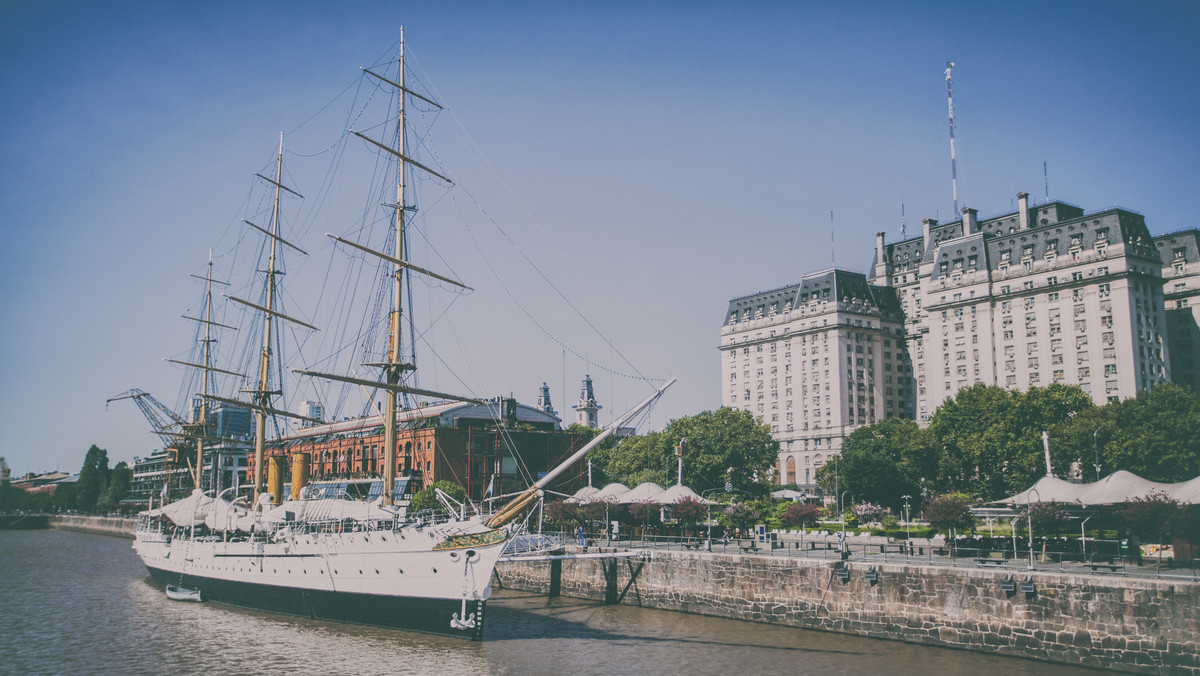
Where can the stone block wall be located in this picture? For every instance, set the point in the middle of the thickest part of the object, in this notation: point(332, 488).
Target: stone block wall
point(101, 525)
point(1121, 623)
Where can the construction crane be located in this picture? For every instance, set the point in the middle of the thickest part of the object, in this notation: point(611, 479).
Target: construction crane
point(174, 432)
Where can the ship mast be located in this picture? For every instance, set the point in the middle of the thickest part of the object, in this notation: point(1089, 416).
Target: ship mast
point(260, 398)
point(393, 367)
point(199, 429)
point(204, 373)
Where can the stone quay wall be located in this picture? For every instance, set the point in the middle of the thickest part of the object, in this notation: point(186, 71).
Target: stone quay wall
point(101, 525)
point(1120, 623)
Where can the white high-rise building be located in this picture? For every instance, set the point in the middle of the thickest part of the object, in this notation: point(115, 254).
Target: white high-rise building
point(1046, 294)
point(815, 360)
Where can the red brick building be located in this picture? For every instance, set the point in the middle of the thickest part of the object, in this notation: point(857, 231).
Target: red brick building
point(501, 443)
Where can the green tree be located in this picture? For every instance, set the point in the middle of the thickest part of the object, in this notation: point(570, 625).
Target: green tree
point(715, 442)
point(950, 512)
point(119, 481)
point(427, 499)
point(991, 438)
point(93, 478)
point(882, 462)
point(1153, 435)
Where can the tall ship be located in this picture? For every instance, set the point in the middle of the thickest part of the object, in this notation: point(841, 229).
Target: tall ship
point(331, 557)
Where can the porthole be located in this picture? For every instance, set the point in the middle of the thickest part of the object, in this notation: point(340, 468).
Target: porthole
point(400, 570)
point(435, 571)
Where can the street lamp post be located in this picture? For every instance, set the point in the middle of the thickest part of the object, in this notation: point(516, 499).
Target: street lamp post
point(1029, 521)
point(708, 544)
point(1096, 447)
point(845, 548)
point(907, 518)
point(836, 478)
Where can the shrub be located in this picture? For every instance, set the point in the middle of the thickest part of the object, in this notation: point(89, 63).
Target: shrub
point(801, 515)
point(951, 511)
point(741, 515)
point(868, 512)
point(562, 513)
point(689, 511)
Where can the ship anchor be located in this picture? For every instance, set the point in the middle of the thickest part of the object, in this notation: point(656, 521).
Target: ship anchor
point(468, 623)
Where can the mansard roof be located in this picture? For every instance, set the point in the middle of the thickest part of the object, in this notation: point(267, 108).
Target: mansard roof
point(1180, 245)
point(1053, 227)
point(850, 289)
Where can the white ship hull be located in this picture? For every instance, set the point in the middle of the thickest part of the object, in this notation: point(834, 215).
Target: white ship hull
point(435, 578)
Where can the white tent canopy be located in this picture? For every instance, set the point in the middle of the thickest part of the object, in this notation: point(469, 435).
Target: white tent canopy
point(1112, 489)
point(644, 492)
point(610, 493)
point(583, 494)
point(676, 493)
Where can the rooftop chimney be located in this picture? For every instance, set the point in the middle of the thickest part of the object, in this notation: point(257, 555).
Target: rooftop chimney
point(882, 275)
point(1023, 210)
point(928, 224)
point(970, 221)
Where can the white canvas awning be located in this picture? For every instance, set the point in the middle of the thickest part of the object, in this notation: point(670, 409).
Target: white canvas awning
point(1113, 489)
point(645, 492)
point(189, 511)
point(327, 509)
point(583, 494)
point(223, 515)
point(610, 493)
point(676, 493)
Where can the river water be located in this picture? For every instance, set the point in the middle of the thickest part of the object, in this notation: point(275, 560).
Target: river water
point(79, 603)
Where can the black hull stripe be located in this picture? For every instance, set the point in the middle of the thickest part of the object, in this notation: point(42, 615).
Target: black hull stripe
point(431, 616)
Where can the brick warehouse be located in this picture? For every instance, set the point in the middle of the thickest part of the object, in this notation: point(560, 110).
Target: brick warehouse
point(500, 444)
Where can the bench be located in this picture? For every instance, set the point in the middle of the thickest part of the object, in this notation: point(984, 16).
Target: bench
point(693, 545)
point(988, 561)
point(749, 550)
point(1111, 566)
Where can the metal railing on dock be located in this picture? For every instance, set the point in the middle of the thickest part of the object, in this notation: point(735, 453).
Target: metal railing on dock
point(936, 552)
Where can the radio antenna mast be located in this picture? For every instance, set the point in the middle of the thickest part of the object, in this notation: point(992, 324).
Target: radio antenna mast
point(832, 243)
point(953, 158)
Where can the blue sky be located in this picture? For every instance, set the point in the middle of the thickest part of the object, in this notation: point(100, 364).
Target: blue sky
point(656, 159)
